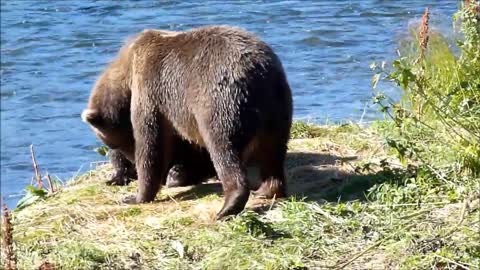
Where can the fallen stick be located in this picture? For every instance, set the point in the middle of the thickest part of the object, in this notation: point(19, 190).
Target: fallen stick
point(51, 189)
point(461, 265)
point(376, 244)
point(35, 168)
point(273, 201)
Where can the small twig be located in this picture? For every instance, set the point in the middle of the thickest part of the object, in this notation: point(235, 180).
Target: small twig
point(361, 253)
point(50, 184)
point(461, 265)
point(439, 175)
point(363, 114)
point(406, 204)
point(79, 170)
point(418, 213)
point(273, 201)
point(376, 244)
point(173, 199)
point(325, 214)
point(379, 242)
point(462, 213)
point(35, 168)
point(462, 218)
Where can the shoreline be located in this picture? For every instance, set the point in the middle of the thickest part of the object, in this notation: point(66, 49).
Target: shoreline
point(330, 219)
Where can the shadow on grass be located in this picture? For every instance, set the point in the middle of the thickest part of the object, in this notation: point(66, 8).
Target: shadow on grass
point(315, 176)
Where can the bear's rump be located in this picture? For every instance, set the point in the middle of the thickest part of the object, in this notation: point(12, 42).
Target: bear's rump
point(186, 127)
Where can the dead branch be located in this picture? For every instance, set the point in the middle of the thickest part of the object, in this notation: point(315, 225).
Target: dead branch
point(38, 177)
point(51, 188)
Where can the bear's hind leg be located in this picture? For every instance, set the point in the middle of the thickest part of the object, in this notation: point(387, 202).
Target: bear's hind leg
point(227, 163)
point(271, 159)
point(234, 183)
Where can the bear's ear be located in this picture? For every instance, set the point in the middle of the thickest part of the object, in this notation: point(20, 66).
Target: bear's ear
point(92, 117)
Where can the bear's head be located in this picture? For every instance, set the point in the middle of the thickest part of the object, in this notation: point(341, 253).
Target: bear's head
point(108, 110)
point(112, 135)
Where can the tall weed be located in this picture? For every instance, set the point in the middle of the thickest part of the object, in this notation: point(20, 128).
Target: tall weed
point(436, 124)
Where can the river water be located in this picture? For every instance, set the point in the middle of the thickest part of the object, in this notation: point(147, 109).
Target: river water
point(52, 52)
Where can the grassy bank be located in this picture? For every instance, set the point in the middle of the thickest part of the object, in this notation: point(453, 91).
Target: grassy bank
point(350, 206)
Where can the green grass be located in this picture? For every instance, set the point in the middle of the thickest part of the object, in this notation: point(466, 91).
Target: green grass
point(331, 219)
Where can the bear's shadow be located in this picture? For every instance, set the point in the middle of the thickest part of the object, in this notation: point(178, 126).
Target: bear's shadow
point(310, 176)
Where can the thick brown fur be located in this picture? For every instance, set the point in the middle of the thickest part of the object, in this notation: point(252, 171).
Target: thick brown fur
point(217, 87)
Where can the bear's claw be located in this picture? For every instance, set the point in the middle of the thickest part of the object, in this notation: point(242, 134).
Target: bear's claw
point(234, 203)
point(118, 180)
point(130, 199)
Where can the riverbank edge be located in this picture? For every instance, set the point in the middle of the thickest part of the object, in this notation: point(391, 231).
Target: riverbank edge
point(327, 222)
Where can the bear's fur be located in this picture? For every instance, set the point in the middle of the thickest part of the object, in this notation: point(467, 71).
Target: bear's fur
point(218, 87)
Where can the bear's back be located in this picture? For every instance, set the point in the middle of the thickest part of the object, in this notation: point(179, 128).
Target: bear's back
point(203, 51)
point(212, 71)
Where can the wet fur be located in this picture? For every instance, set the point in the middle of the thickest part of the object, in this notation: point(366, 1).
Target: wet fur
point(217, 87)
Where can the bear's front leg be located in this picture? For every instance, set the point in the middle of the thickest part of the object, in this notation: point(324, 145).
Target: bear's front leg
point(153, 148)
point(123, 169)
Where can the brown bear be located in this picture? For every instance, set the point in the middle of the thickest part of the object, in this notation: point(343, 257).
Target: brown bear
point(123, 169)
point(191, 166)
point(218, 87)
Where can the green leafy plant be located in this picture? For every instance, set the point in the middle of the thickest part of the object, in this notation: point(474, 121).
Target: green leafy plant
point(33, 195)
point(250, 223)
point(102, 150)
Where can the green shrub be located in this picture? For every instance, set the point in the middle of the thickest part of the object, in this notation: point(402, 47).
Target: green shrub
point(437, 121)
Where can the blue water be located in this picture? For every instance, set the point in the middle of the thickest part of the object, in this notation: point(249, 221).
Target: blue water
point(52, 52)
